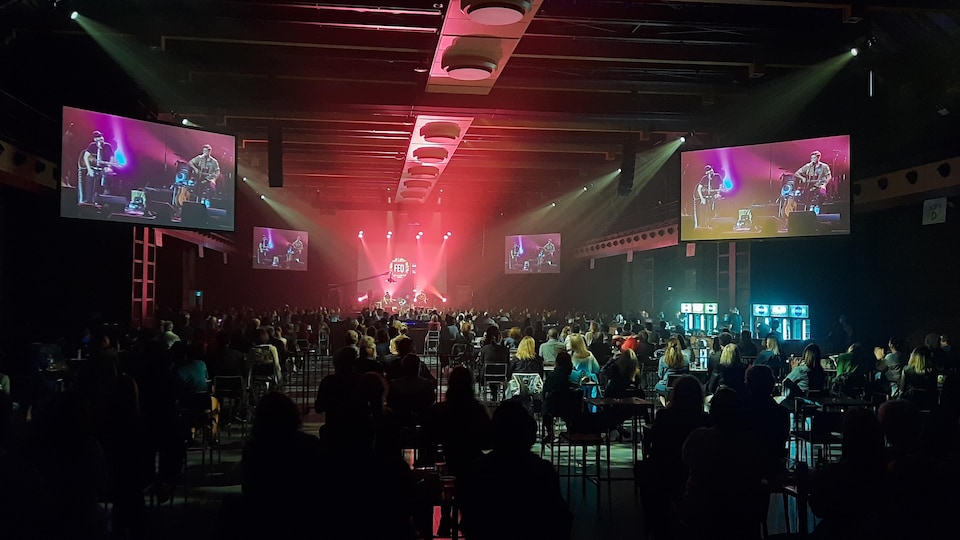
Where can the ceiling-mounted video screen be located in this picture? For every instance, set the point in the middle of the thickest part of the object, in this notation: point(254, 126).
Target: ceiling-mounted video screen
point(774, 190)
point(121, 169)
point(532, 254)
point(279, 249)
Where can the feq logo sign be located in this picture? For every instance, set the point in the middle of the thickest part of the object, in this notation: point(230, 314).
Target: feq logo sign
point(399, 268)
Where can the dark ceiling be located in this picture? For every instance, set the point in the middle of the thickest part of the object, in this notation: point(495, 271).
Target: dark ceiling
point(345, 82)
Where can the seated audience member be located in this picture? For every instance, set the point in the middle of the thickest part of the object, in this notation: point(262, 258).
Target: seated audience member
point(383, 345)
point(526, 359)
point(730, 371)
point(844, 494)
point(746, 344)
point(769, 422)
point(623, 376)
point(724, 496)
point(562, 397)
point(771, 357)
point(370, 495)
point(275, 447)
point(460, 426)
point(852, 367)
point(583, 359)
point(339, 388)
point(481, 487)
point(807, 376)
point(890, 366)
point(672, 363)
point(550, 348)
point(265, 353)
point(434, 324)
point(918, 381)
point(411, 394)
point(368, 361)
point(401, 348)
point(901, 424)
point(514, 335)
point(662, 475)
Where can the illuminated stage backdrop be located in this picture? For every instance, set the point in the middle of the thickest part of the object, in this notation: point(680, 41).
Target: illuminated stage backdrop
point(402, 272)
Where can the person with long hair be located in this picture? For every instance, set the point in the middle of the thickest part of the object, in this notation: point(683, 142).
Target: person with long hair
point(770, 356)
point(918, 382)
point(672, 363)
point(583, 360)
point(460, 426)
point(730, 371)
point(662, 473)
point(526, 360)
point(807, 375)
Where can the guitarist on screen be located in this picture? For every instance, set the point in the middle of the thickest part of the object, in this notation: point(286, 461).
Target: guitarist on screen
point(815, 175)
point(708, 191)
point(206, 169)
point(95, 162)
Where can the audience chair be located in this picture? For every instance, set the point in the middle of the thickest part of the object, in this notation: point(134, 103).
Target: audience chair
point(494, 378)
point(431, 344)
point(197, 413)
point(261, 379)
point(231, 392)
point(824, 432)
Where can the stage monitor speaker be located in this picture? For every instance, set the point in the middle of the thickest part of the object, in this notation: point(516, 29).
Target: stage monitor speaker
point(764, 210)
point(163, 211)
point(275, 155)
point(769, 225)
point(802, 224)
point(193, 215)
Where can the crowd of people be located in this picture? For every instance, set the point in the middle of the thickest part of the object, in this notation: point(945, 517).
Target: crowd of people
point(711, 451)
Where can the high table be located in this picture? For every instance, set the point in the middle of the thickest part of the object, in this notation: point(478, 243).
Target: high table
point(635, 407)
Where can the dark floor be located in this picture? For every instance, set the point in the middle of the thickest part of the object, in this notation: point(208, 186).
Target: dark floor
point(614, 513)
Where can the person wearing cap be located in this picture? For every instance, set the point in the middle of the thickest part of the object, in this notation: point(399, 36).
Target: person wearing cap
point(94, 161)
point(707, 191)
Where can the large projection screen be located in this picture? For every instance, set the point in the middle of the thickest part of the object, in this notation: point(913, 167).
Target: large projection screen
point(124, 170)
point(776, 190)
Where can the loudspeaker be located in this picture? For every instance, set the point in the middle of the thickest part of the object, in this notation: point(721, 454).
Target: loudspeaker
point(193, 215)
point(275, 155)
point(764, 210)
point(627, 167)
point(769, 225)
point(802, 224)
point(163, 211)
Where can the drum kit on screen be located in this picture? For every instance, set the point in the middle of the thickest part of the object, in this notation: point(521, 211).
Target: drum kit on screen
point(798, 196)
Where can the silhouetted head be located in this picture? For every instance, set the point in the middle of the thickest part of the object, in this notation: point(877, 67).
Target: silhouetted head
point(687, 394)
point(760, 380)
point(726, 409)
point(410, 365)
point(276, 414)
point(460, 384)
point(564, 363)
point(514, 430)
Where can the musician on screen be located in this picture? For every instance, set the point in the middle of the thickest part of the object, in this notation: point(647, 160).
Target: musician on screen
point(515, 253)
point(548, 250)
point(708, 190)
point(263, 251)
point(294, 250)
point(94, 163)
point(206, 169)
point(815, 176)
